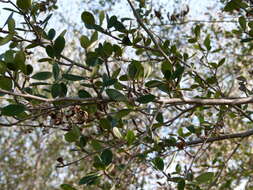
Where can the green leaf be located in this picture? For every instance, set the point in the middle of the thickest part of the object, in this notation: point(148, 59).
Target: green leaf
point(19, 60)
point(159, 117)
point(242, 22)
point(58, 90)
point(67, 187)
point(153, 83)
point(106, 156)
point(73, 135)
point(9, 56)
point(94, 37)
point(50, 51)
point(116, 95)
point(42, 75)
point(13, 109)
point(234, 4)
point(211, 80)
point(166, 70)
point(101, 17)
point(84, 94)
point(113, 22)
point(11, 25)
point(96, 145)
point(83, 141)
point(135, 70)
point(6, 83)
point(6, 39)
point(158, 163)
point(56, 71)
point(2, 67)
point(221, 62)
point(117, 50)
point(24, 4)
point(89, 179)
point(105, 123)
point(73, 77)
point(92, 59)
point(179, 71)
point(204, 177)
point(98, 163)
point(28, 69)
point(197, 31)
point(207, 43)
point(126, 41)
point(192, 40)
point(191, 128)
point(122, 113)
point(108, 81)
point(181, 185)
point(146, 99)
point(85, 42)
point(130, 137)
point(59, 45)
point(45, 60)
point(63, 33)
point(51, 34)
point(88, 18)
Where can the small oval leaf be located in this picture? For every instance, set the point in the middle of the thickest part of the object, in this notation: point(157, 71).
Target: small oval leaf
point(13, 109)
point(42, 75)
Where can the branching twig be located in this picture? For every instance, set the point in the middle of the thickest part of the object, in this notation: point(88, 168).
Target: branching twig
point(220, 138)
point(137, 16)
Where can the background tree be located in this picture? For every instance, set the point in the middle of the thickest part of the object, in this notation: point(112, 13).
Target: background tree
point(153, 99)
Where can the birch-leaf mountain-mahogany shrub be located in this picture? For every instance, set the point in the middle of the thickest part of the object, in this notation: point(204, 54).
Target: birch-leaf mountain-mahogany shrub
point(139, 107)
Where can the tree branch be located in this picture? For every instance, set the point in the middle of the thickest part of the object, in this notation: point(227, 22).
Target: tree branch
point(207, 101)
point(220, 138)
point(171, 101)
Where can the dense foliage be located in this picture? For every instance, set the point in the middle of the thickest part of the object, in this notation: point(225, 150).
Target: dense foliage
point(152, 100)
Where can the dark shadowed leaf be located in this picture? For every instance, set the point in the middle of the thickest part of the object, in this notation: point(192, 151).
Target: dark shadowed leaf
point(42, 75)
point(24, 4)
point(153, 83)
point(106, 156)
point(13, 109)
point(146, 99)
point(59, 90)
point(88, 18)
point(181, 185)
point(116, 95)
point(126, 41)
point(242, 22)
point(6, 83)
point(56, 71)
point(89, 179)
point(105, 123)
point(50, 51)
point(73, 77)
point(158, 163)
point(73, 135)
point(204, 177)
point(6, 39)
point(84, 94)
point(122, 113)
point(51, 34)
point(67, 187)
point(59, 45)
